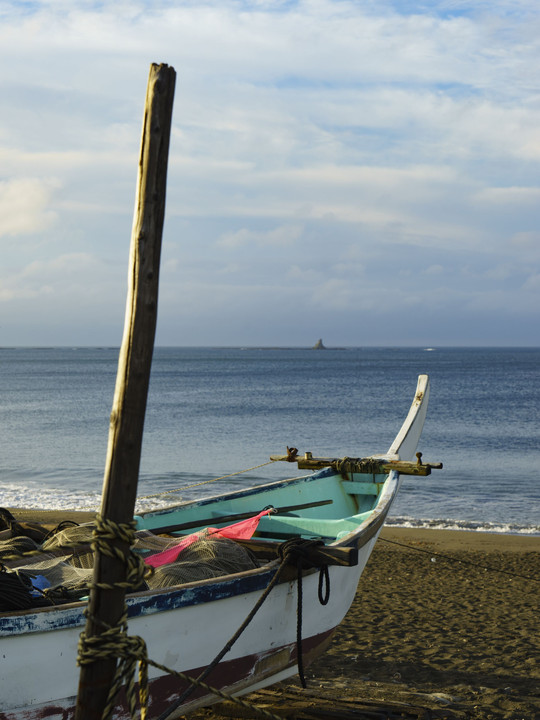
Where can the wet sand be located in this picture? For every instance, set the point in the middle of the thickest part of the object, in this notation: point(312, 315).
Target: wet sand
point(444, 625)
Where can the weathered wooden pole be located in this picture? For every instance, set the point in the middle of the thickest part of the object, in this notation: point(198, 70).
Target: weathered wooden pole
point(129, 405)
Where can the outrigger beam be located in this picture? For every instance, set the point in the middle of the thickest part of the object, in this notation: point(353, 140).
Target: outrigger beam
point(369, 465)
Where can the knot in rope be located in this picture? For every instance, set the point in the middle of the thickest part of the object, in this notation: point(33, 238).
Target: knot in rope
point(297, 549)
point(106, 534)
point(113, 643)
point(358, 465)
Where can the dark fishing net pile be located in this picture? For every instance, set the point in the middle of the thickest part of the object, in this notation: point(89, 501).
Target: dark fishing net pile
point(59, 568)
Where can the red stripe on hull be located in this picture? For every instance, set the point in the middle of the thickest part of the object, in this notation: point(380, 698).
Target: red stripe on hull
point(233, 676)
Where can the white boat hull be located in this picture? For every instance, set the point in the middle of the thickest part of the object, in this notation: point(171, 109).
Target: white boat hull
point(40, 667)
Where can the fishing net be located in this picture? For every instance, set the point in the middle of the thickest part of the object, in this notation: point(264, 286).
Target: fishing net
point(76, 539)
point(203, 559)
point(16, 547)
point(61, 569)
point(57, 579)
point(68, 536)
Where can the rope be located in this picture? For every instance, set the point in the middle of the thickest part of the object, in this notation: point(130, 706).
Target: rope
point(293, 548)
point(358, 465)
point(14, 592)
point(237, 701)
point(461, 561)
point(297, 548)
point(105, 533)
point(324, 580)
point(228, 645)
point(114, 642)
point(206, 482)
point(192, 485)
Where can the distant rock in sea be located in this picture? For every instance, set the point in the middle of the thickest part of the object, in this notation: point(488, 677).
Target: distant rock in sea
point(319, 345)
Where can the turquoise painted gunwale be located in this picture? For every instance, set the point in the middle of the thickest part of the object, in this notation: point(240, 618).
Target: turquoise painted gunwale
point(352, 504)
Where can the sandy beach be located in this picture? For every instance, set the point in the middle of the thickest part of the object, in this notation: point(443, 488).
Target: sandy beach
point(443, 621)
point(445, 624)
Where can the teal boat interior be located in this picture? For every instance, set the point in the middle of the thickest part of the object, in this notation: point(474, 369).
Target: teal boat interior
point(323, 505)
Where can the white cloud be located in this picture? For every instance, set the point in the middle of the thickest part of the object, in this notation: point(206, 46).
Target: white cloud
point(25, 206)
point(335, 293)
point(526, 246)
point(509, 196)
point(278, 237)
point(313, 143)
point(68, 278)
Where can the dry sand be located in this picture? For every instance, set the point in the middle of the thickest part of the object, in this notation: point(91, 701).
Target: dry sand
point(445, 625)
point(431, 636)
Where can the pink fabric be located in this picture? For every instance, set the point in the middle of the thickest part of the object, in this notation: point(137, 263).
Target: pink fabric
point(242, 530)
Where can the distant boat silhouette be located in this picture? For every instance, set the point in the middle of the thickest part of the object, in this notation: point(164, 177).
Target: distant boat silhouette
point(319, 345)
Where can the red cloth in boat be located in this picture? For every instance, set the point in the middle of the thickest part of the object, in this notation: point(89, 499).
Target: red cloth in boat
point(242, 530)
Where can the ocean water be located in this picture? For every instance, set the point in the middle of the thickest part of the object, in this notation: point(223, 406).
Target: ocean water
point(213, 412)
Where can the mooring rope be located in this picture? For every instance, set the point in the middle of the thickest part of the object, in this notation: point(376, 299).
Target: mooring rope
point(114, 642)
point(188, 487)
point(489, 568)
point(206, 482)
point(219, 693)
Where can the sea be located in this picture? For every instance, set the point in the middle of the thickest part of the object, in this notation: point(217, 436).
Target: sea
point(215, 415)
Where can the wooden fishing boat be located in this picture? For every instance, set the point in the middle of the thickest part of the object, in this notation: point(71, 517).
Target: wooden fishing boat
point(342, 505)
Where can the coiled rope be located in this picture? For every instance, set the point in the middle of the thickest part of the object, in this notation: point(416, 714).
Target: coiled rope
point(114, 642)
point(14, 591)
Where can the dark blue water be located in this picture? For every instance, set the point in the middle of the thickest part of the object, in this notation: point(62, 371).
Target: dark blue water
point(214, 412)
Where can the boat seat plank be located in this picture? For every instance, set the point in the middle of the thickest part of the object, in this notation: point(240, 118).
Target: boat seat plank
point(323, 527)
point(361, 488)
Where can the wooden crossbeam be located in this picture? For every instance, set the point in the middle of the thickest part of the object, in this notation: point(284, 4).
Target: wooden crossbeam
point(367, 465)
point(317, 554)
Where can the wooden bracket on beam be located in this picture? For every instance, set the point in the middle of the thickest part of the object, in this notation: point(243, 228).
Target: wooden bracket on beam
point(369, 465)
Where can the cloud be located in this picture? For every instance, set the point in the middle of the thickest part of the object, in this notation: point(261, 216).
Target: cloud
point(66, 283)
point(509, 196)
point(278, 237)
point(321, 152)
point(25, 206)
point(526, 246)
point(532, 284)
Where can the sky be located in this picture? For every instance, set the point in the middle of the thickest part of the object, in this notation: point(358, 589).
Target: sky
point(366, 172)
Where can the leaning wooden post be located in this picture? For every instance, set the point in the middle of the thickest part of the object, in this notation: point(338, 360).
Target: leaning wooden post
point(129, 406)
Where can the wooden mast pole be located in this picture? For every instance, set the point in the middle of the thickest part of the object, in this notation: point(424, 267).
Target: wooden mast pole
point(134, 363)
